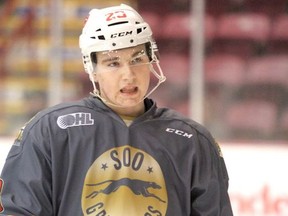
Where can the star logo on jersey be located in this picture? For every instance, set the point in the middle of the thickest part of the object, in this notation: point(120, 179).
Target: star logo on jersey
point(1, 186)
point(218, 148)
point(19, 137)
point(124, 181)
point(20, 134)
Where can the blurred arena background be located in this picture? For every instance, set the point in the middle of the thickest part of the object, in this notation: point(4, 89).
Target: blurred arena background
point(227, 67)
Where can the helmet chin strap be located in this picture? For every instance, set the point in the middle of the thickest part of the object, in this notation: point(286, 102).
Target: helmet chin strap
point(161, 78)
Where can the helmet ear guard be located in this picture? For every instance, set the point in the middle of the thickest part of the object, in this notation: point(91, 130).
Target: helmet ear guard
point(152, 50)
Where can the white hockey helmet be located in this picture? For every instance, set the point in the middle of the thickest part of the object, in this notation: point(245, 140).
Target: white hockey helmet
point(113, 28)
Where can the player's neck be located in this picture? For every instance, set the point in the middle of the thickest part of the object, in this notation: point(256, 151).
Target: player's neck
point(130, 112)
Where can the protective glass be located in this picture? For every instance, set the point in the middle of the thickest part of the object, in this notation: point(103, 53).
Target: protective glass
point(137, 60)
point(112, 61)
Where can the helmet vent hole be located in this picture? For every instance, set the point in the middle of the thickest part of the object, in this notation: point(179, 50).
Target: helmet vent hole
point(101, 37)
point(118, 23)
point(98, 30)
point(113, 44)
point(131, 41)
point(139, 30)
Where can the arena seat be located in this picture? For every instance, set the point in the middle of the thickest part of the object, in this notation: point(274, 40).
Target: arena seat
point(243, 26)
point(270, 69)
point(175, 67)
point(279, 29)
point(251, 118)
point(278, 42)
point(270, 8)
point(179, 26)
point(226, 70)
point(267, 79)
point(154, 21)
point(152, 5)
point(217, 7)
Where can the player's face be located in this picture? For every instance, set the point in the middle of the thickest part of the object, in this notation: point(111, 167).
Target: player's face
point(123, 76)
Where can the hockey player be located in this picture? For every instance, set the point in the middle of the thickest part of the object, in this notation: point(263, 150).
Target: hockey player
point(115, 153)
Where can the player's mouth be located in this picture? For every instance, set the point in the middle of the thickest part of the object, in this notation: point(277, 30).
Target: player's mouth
point(129, 90)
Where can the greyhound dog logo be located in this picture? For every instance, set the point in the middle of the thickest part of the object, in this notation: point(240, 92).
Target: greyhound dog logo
point(124, 181)
point(138, 187)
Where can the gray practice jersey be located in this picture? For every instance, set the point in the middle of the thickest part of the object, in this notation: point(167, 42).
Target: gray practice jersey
point(81, 158)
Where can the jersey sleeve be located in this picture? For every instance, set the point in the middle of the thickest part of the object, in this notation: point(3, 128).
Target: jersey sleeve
point(209, 190)
point(26, 175)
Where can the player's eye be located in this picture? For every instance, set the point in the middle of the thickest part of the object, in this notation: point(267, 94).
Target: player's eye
point(137, 60)
point(113, 64)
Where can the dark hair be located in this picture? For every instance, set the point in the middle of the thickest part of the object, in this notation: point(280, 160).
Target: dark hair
point(94, 57)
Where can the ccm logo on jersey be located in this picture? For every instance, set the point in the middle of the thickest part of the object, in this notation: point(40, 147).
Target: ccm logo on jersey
point(74, 119)
point(179, 132)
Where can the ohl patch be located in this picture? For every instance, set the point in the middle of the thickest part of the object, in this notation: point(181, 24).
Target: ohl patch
point(124, 181)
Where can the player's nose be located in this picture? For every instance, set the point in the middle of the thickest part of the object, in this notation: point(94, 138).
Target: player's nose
point(127, 71)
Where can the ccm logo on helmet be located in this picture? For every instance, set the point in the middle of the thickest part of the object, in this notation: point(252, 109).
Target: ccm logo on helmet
point(179, 132)
point(121, 34)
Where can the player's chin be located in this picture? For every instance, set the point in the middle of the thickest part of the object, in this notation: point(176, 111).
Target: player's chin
point(130, 101)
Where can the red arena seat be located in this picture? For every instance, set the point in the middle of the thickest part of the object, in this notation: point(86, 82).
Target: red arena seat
point(252, 116)
point(247, 26)
point(154, 21)
point(179, 25)
point(272, 69)
point(270, 8)
point(176, 68)
point(227, 70)
point(279, 27)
